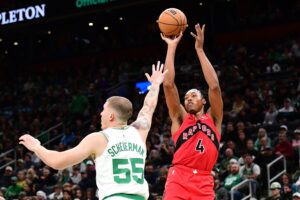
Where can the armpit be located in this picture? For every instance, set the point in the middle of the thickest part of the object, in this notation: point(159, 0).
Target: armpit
point(141, 123)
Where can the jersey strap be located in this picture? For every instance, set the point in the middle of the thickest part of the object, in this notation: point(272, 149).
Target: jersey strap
point(192, 130)
point(105, 135)
point(127, 196)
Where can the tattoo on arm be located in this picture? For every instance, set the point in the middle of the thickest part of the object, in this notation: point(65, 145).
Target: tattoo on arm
point(142, 123)
point(150, 102)
point(145, 115)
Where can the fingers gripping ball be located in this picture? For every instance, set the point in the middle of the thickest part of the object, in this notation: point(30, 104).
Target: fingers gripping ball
point(172, 21)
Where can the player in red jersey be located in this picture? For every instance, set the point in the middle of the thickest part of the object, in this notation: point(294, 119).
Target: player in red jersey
point(196, 133)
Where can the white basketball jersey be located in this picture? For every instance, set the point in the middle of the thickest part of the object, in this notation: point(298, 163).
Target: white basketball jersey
point(120, 168)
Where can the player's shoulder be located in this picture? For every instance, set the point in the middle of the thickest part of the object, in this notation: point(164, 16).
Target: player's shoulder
point(96, 133)
point(96, 136)
point(135, 130)
point(207, 117)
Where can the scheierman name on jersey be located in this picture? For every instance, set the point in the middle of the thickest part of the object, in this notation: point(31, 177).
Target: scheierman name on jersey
point(125, 146)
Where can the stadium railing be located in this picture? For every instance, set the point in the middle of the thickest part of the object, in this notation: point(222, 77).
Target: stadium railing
point(278, 174)
point(10, 156)
point(241, 185)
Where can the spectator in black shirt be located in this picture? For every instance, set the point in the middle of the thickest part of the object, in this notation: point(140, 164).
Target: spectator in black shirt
point(46, 180)
point(264, 157)
point(151, 173)
point(159, 186)
point(166, 150)
point(5, 179)
point(275, 192)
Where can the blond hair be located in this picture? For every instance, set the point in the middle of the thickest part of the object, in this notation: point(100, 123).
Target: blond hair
point(122, 106)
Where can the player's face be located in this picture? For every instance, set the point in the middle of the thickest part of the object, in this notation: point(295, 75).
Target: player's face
point(105, 116)
point(193, 101)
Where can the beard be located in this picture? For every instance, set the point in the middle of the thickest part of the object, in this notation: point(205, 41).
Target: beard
point(192, 111)
point(193, 108)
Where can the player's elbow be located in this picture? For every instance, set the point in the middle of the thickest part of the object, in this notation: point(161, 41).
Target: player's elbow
point(168, 84)
point(58, 164)
point(60, 167)
point(215, 87)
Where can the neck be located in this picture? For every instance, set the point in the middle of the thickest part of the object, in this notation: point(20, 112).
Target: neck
point(120, 125)
point(199, 114)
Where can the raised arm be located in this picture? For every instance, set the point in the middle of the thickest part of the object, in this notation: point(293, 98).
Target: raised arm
point(210, 75)
point(144, 118)
point(92, 144)
point(176, 110)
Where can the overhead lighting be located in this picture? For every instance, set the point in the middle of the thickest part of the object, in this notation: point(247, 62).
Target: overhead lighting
point(6, 52)
point(120, 18)
point(201, 4)
point(106, 28)
point(39, 41)
point(1, 39)
point(91, 24)
point(49, 32)
point(16, 43)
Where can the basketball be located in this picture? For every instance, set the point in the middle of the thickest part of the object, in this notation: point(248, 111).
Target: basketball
point(172, 21)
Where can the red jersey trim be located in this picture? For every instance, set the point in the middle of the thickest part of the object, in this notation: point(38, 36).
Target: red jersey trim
point(190, 131)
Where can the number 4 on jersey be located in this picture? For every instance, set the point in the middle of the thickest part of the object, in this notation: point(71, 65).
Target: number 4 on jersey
point(200, 147)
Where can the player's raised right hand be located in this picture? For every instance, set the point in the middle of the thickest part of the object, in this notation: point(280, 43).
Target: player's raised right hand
point(158, 75)
point(172, 41)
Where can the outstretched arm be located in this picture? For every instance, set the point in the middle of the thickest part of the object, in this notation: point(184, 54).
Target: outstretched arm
point(210, 75)
point(176, 110)
point(144, 118)
point(93, 144)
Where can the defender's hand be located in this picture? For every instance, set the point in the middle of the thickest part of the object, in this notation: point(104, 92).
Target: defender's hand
point(158, 75)
point(29, 142)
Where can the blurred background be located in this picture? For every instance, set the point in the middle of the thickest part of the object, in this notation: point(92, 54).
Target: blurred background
point(60, 61)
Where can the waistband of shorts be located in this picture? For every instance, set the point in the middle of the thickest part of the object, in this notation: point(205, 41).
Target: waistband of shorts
point(192, 170)
point(127, 196)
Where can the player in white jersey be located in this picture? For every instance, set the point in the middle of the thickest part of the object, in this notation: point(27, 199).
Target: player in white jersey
point(121, 166)
point(119, 149)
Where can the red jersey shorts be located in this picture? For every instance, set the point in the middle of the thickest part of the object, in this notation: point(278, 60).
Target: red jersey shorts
point(189, 184)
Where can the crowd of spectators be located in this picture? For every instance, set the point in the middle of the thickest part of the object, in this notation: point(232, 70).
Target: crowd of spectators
point(261, 122)
point(261, 93)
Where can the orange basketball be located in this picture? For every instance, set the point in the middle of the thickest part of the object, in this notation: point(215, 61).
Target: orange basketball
point(172, 21)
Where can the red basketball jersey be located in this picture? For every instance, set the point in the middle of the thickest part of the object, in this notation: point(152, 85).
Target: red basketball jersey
point(196, 143)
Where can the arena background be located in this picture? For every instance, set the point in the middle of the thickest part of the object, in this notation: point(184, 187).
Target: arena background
point(57, 70)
